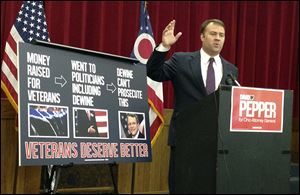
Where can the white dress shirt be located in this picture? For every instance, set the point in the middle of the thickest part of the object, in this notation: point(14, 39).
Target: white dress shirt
point(204, 62)
point(217, 67)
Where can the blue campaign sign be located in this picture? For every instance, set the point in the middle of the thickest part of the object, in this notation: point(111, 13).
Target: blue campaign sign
point(80, 106)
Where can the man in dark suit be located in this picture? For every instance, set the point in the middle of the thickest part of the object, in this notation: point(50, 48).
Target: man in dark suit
point(194, 74)
point(85, 123)
point(133, 127)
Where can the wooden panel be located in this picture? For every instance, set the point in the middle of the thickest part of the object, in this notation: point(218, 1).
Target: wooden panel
point(149, 177)
point(124, 178)
point(14, 179)
point(9, 148)
point(95, 190)
point(153, 177)
point(28, 180)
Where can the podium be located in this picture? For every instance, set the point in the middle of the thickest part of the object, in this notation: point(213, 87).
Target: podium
point(212, 159)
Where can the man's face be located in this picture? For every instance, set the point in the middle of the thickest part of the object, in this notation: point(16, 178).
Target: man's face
point(132, 125)
point(213, 39)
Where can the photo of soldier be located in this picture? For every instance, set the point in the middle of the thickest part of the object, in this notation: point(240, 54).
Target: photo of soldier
point(47, 121)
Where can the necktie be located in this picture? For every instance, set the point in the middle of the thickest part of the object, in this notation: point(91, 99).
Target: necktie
point(210, 79)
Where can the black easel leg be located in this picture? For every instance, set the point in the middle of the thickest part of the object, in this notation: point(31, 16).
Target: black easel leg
point(45, 178)
point(113, 178)
point(52, 176)
point(132, 178)
point(57, 176)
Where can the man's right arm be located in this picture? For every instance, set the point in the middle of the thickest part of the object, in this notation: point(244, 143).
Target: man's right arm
point(155, 66)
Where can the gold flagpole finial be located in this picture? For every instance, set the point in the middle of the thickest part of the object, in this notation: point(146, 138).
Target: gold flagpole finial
point(145, 5)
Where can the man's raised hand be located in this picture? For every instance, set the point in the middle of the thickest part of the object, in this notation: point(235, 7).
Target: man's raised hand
point(168, 38)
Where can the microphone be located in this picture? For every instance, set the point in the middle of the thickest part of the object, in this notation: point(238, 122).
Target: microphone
point(231, 80)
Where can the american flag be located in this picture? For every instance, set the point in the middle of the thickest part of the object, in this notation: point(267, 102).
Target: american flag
point(102, 122)
point(30, 24)
point(142, 50)
point(123, 118)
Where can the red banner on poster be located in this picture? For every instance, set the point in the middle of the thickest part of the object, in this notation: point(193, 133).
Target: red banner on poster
point(256, 110)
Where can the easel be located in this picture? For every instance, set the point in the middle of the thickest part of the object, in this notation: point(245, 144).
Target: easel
point(51, 177)
point(51, 180)
point(111, 165)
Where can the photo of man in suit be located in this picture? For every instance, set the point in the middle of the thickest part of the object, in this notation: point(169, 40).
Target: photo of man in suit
point(132, 125)
point(85, 123)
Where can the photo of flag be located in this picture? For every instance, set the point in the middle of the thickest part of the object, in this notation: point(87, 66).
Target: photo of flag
point(143, 47)
point(90, 123)
point(30, 24)
point(124, 127)
point(102, 122)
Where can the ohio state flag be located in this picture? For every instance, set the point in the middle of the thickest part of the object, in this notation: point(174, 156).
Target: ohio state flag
point(142, 50)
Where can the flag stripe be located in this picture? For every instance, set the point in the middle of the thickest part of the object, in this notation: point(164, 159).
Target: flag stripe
point(157, 86)
point(10, 65)
point(152, 115)
point(11, 54)
point(103, 134)
point(102, 130)
point(159, 114)
point(101, 124)
point(156, 128)
point(100, 113)
point(12, 43)
point(13, 83)
point(154, 138)
point(155, 99)
point(101, 118)
point(15, 34)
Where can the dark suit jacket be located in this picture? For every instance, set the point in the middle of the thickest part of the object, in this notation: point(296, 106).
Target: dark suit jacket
point(184, 70)
point(83, 123)
point(141, 135)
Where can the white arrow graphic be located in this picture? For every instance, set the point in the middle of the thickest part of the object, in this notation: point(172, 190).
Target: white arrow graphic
point(60, 80)
point(111, 87)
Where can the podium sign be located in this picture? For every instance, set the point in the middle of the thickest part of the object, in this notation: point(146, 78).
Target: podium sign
point(254, 158)
point(80, 106)
point(215, 156)
point(256, 110)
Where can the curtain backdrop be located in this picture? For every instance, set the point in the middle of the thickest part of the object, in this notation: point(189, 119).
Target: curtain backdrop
point(262, 38)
